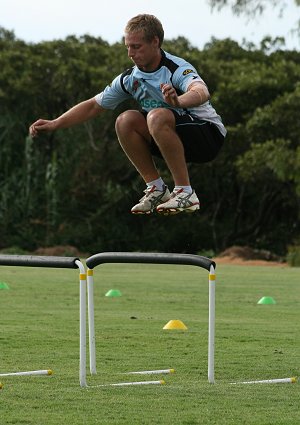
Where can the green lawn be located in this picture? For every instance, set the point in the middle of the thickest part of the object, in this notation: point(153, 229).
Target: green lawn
point(40, 330)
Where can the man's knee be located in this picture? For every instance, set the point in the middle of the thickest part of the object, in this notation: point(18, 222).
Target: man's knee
point(160, 117)
point(126, 119)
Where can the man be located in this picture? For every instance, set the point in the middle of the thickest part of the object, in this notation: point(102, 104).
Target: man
point(176, 120)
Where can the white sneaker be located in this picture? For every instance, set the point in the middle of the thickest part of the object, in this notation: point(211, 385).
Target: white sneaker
point(180, 201)
point(151, 199)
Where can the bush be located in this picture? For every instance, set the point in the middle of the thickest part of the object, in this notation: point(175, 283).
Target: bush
point(293, 256)
point(13, 250)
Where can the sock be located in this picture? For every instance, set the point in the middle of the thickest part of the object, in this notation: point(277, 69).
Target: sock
point(159, 183)
point(186, 189)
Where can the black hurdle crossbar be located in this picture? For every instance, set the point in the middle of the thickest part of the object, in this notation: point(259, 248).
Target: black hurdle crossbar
point(39, 261)
point(148, 258)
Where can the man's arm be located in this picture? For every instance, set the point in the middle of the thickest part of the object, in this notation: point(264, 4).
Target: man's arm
point(78, 114)
point(197, 94)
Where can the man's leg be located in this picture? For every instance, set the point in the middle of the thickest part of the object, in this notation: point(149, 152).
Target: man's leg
point(135, 139)
point(161, 124)
point(162, 127)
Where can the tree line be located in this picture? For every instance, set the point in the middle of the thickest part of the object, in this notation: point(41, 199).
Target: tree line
point(76, 187)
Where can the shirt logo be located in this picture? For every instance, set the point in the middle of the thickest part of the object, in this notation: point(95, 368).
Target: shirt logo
point(187, 71)
point(135, 85)
point(152, 104)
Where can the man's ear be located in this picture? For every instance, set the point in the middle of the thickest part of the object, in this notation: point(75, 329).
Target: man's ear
point(155, 41)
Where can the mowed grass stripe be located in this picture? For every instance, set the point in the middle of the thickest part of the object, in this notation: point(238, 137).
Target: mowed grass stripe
point(40, 330)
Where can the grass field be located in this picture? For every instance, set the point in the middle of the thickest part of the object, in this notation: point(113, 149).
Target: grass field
point(40, 330)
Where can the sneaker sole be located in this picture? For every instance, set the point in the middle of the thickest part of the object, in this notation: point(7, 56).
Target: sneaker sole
point(141, 212)
point(173, 211)
point(147, 212)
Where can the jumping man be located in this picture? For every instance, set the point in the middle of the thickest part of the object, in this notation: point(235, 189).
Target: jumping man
point(175, 120)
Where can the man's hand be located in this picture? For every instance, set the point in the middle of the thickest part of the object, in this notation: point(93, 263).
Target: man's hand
point(170, 95)
point(40, 126)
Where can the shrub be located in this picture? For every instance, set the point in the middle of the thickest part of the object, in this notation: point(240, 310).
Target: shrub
point(293, 256)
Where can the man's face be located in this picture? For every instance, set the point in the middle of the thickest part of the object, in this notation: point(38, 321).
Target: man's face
point(145, 55)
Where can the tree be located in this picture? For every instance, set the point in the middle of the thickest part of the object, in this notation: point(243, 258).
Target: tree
point(252, 8)
point(76, 187)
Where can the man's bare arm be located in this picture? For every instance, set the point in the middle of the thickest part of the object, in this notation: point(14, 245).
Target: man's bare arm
point(78, 114)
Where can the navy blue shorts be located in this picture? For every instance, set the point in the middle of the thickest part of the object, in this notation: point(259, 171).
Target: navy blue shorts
point(201, 140)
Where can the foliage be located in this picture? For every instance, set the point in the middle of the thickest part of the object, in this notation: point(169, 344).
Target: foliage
point(76, 187)
point(253, 8)
point(293, 255)
point(250, 7)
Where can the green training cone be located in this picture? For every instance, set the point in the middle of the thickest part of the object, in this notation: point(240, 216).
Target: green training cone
point(4, 285)
point(113, 293)
point(266, 300)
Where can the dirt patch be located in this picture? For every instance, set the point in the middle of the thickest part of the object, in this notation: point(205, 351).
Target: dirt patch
point(249, 257)
point(241, 262)
point(238, 255)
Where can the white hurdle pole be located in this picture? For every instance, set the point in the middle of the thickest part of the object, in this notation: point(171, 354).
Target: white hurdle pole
point(91, 321)
point(211, 326)
point(150, 372)
point(29, 373)
point(125, 384)
point(82, 320)
point(292, 380)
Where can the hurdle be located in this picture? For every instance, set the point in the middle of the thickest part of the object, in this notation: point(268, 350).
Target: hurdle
point(141, 258)
point(48, 262)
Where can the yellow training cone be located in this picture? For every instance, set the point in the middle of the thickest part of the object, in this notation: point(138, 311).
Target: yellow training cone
point(175, 324)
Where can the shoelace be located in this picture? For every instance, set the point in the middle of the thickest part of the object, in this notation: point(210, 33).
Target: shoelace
point(149, 190)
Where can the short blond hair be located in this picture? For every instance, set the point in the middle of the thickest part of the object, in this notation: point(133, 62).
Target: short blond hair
point(149, 24)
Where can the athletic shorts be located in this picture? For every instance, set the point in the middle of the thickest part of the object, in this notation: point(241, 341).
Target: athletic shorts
point(201, 139)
